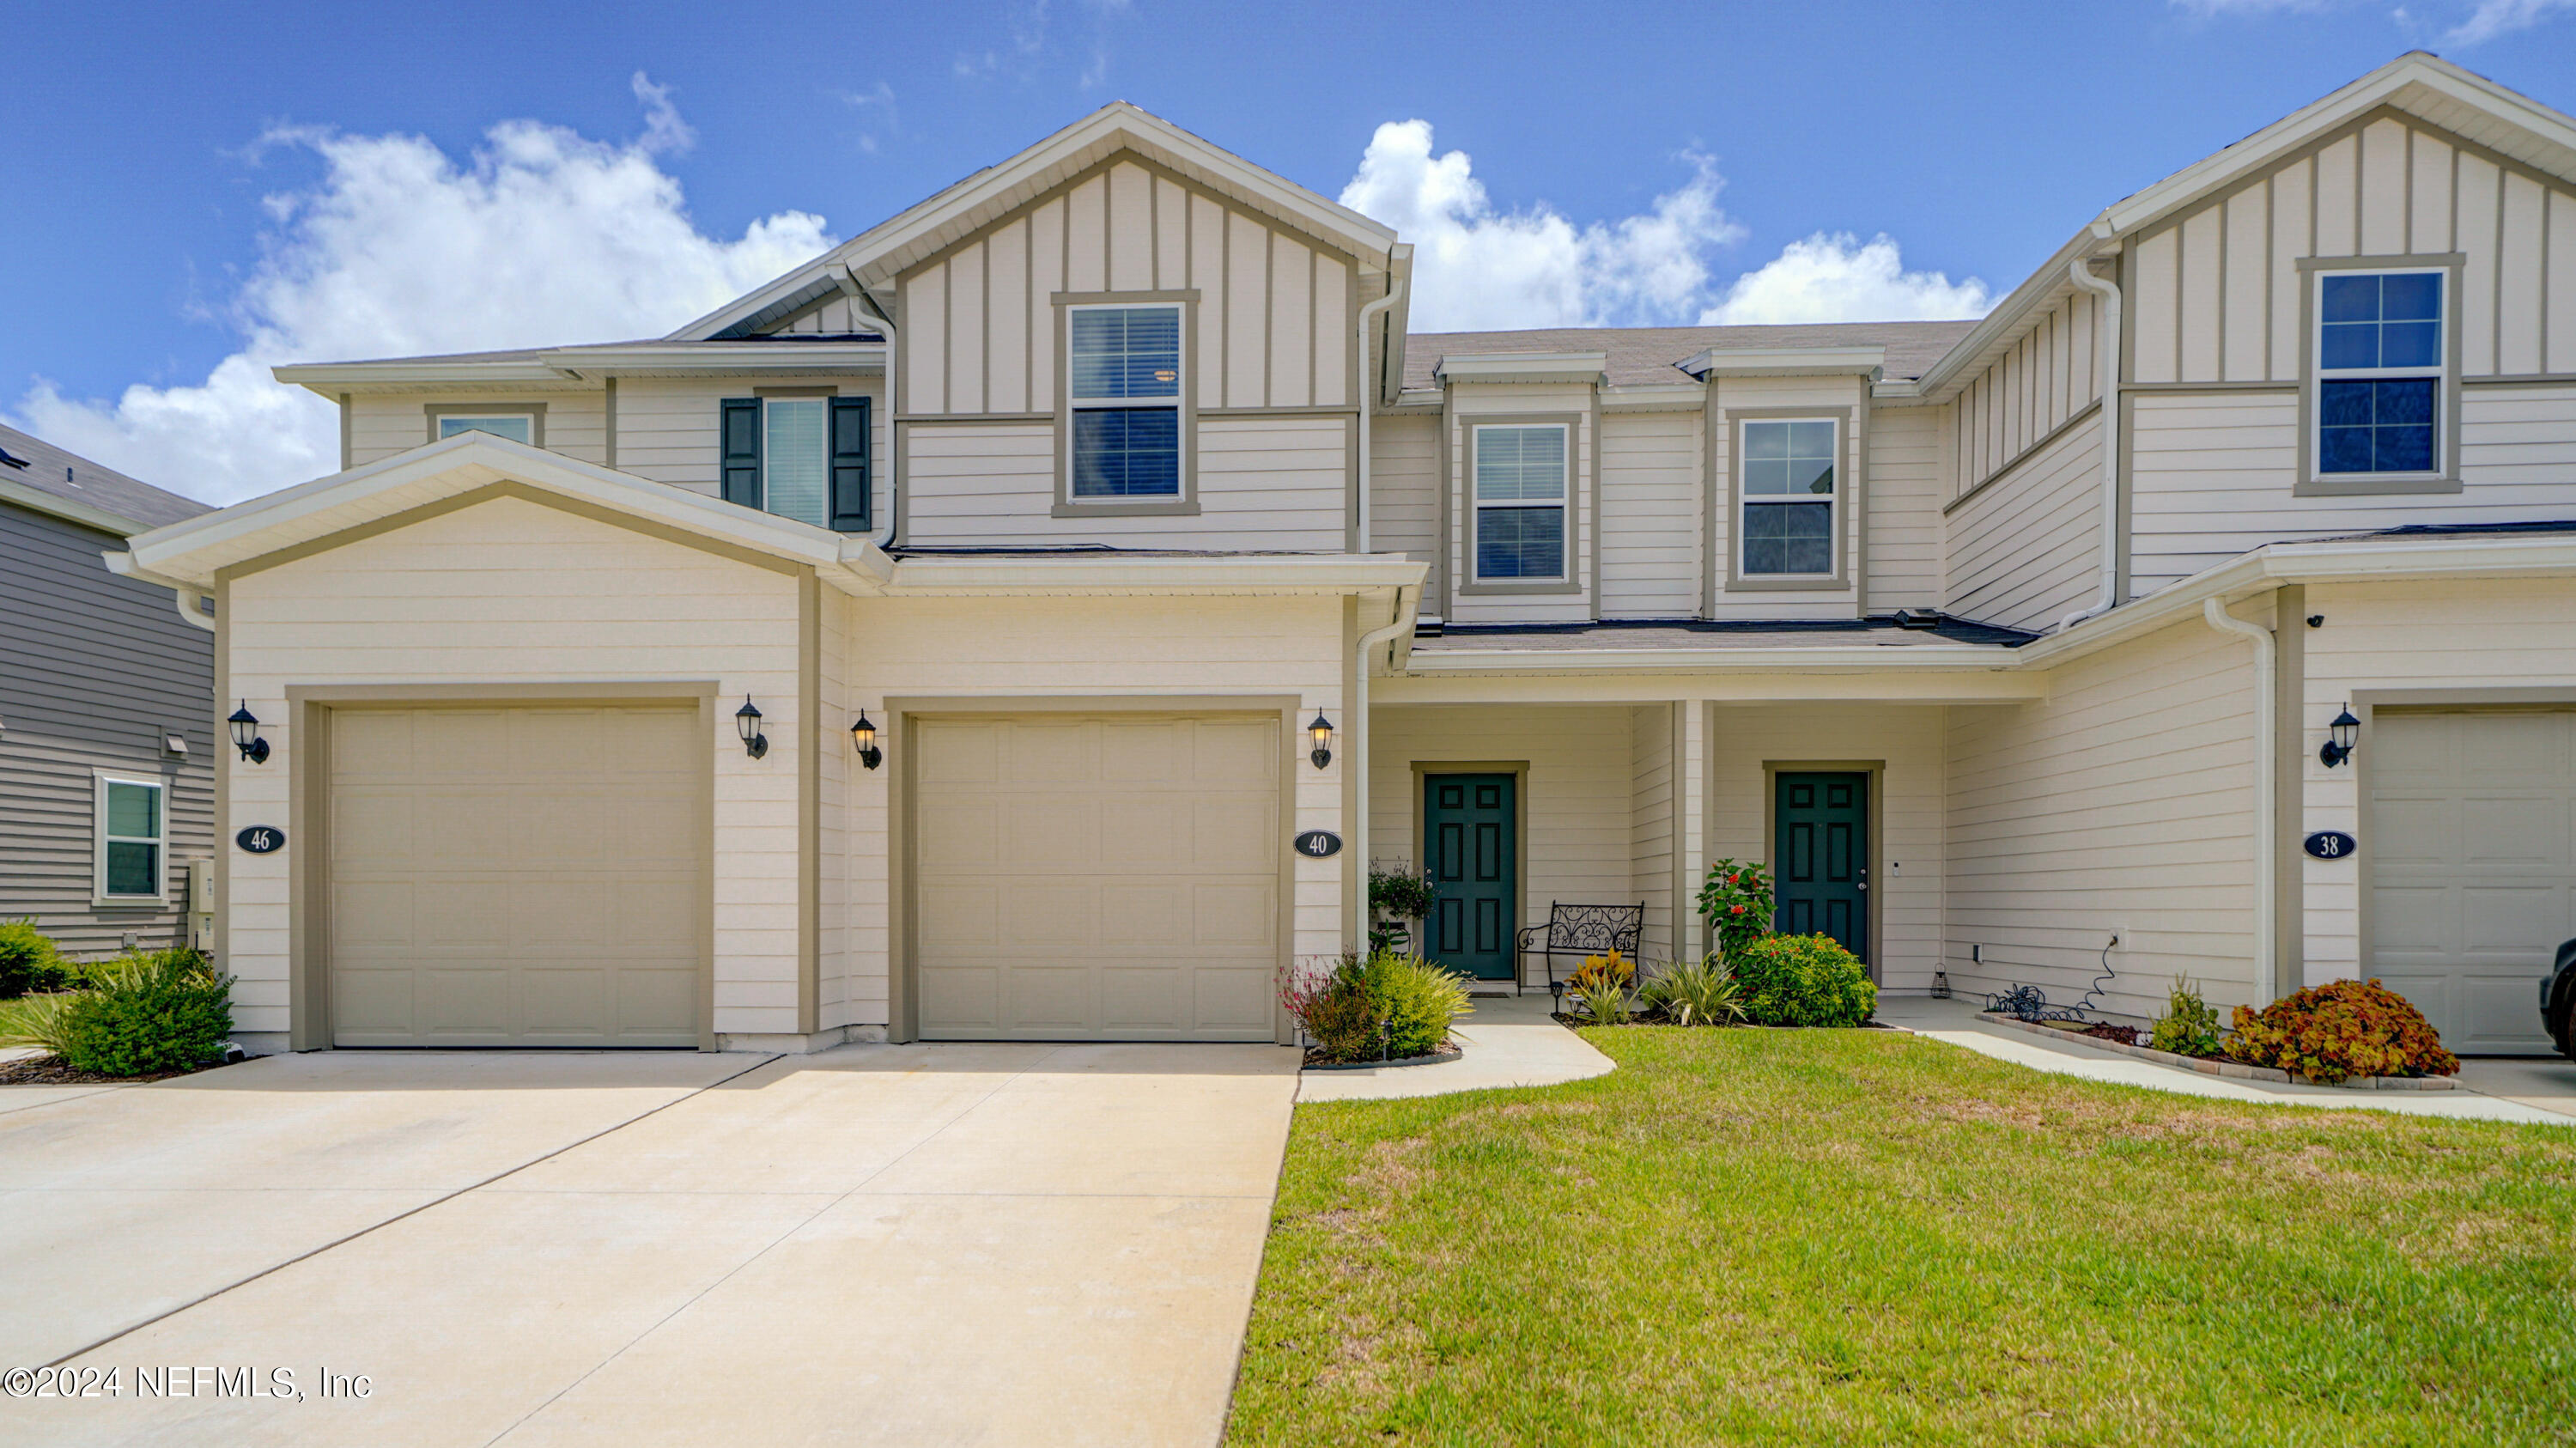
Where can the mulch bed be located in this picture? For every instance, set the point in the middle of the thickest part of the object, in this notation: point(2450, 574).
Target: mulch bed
point(1449, 1051)
point(1578, 1023)
point(52, 1071)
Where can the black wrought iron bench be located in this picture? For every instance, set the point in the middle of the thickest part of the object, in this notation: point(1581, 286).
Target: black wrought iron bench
point(1577, 931)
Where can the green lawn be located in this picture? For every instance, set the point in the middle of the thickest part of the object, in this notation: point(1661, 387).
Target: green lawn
point(1751, 1236)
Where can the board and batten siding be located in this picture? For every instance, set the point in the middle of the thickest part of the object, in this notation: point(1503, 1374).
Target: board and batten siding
point(2039, 385)
point(2026, 548)
point(1650, 510)
point(97, 669)
point(2121, 805)
point(2461, 634)
point(1275, 482)
point(588, 601)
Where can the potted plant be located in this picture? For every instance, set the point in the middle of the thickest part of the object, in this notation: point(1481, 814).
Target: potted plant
point(1398, 896)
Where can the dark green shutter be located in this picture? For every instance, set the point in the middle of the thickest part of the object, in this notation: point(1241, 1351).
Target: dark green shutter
point(741, 444)
point(849, 464)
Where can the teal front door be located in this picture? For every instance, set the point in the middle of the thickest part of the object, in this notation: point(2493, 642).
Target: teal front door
point(1820, 847)
point(1468, 850)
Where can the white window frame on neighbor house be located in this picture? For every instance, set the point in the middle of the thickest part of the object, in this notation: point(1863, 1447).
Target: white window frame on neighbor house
point(2444, 475)
point(448, 419)
point(1181, 402)
point(101, 783)
point(1562, 504)
point(1745, 501)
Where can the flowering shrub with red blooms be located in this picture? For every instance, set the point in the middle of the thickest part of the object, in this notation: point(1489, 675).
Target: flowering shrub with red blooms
point(2342, 1029)
point(1736, 902)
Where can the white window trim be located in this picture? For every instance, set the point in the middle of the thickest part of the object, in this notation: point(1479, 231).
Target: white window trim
point(2445, 376)
point(100, 779)
point(1745, 499)
point(438, 414)
point(769, 454)
point(1176, 404)
point(1564, 506)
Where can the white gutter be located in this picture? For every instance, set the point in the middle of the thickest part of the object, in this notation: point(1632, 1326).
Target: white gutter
point(1356, 718)
point(190, 600)
point(2266, 825)
point(2107, 367)
point(1368, 390)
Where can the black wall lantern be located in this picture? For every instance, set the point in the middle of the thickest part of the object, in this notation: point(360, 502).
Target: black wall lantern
point(864, 735)
point(1321, 731)
point(2341, 736)
point(746, 722)
point(246, 734)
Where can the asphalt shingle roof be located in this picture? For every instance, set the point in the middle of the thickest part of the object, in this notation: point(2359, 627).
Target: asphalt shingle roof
point(51, 470)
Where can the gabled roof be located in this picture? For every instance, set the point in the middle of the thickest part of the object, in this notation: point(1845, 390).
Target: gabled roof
point(68, 485)
point(893, 246)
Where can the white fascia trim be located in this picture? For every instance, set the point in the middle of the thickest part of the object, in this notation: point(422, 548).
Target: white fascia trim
point(1576, 367)
point(187, 555)
point(560, 365)
point(331, 378)
point(1040, 576)
point(1793, 659)
point(1658, 397)
point(69, 509)
point(1786, 362)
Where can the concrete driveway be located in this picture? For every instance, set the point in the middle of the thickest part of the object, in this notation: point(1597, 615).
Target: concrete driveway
point(895, 1244)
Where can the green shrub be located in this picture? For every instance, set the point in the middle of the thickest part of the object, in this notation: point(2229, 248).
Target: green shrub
point(162, 1010)
point(1381, 1006)
point(2189, 1027)
point(41, 1021)
point(1693, 993)
point(28, 960)
point(1736, 902)
point(1802, 980)
point(2340, 1030)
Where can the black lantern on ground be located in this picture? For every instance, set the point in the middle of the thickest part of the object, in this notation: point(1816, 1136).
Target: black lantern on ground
point(864, 735)
point(746, 722)
point(1321, 731)
point(2341, 736)
point(245, 726)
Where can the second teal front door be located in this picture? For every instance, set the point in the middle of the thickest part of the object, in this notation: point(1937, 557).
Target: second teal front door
point(1469, 852)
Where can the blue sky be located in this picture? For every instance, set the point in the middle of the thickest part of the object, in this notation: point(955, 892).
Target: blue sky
point(196, 188)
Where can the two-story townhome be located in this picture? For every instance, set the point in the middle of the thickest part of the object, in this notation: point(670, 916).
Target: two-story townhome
point(971, 633)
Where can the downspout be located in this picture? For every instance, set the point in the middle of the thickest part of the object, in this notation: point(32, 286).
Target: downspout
point(1358, 719)
point(1369, 391)
point(2080, 271)
point(884, 534)
point(2266, 831)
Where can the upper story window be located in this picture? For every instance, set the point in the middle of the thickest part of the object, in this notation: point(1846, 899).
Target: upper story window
point(131, 837)
point(1786, 499)
point(2381, 366)
point(804, 458)
point(516, 426)
point(1520, 489)
point(1123, 391)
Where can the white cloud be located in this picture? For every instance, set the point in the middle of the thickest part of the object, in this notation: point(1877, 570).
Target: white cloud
point(1837, 278)
point(540, 237)
point(2492, 18)
point(2484, 20)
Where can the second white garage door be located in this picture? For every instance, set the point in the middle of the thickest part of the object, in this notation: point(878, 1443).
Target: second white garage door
point(2472, 874)
point(1097, 877)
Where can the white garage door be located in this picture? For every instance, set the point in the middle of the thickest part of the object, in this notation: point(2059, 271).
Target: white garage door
point(2472, 877)
point(516, 876)
point(1110, 877)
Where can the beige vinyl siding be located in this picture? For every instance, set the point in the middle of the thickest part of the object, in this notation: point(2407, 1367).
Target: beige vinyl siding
point(1005, 649)
point(1828, 395)
point(2032, 390)
point(587, 602)
point(1904, 565)
point(1274, 313)
point(1652, 772)
point(383, 424)
point(1908, 740)
point(2214, 293)
point(1577, 795)
point(1404, 474)
point(2211, 476)
point(1650, 508)
point(1260, 483)
point(2122, 805)
point(666, 427)
point(2026, 551)
point(836, 761)
point(2467, 634)
point(1505, 403)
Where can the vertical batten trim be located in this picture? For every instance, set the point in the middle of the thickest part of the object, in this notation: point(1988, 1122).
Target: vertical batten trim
point(2495, 326)
point(2407, 160)
point(2220, 212)
point(608, 410)
point(345, 440)
point(2271, 254)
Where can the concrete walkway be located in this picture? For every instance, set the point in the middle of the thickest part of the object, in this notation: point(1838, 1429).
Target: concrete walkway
point(1510, 1041)
point(891, 1244)
point(1955, 1021)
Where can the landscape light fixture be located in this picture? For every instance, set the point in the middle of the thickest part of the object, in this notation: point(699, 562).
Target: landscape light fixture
point(246, 734)
point(2342, 735)
point(864, 735)
point(1321, 731)
point(746, 722)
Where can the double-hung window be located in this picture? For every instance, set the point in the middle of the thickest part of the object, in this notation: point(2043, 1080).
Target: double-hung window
point(1123, 396)
point(1786, 504)
point(2380, 372)
point(804, 458)
point(1520, 502)
point(131, 840)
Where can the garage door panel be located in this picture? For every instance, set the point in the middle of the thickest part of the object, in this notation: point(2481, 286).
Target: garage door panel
point(1236, 999)
point(1050, 833)
point(961, 915)
point(960, 834)
point(1141, 752)
point(1050, 997)
point(1235, 833)
point(2414, 829)
point(962, 752)
point(2498, 830)
point(1146, 916)
point(1049, 915)
point(1224, 753)
point(1149, 998)
point(517, 876)
point(1147, 833)
point(1048, 754)
point(962, 996)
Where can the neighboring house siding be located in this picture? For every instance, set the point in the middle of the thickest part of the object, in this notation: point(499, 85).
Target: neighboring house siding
point(97, 668)
point(1650, 509)
point(1904, 509)
point(2118, 806)
point(588, 601)
point(2027, 549)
